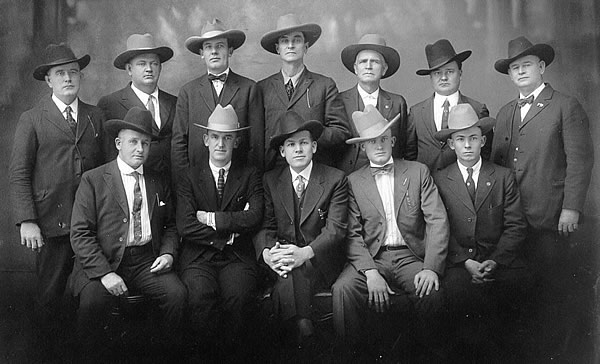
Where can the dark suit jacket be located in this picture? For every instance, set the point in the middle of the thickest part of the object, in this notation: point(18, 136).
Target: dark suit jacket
point(495, 227)
point(116, 105)
point(197, 192)
point(420, 215)
point(323, 220)
point(424, 147)
point(100, 222)
point(555, 156)
point(389, 105)
point(47, 162)
point(315, 98)
point(195, 104)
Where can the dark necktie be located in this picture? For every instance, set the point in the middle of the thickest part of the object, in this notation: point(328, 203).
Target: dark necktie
point(387, 169)
point(300, 186)
point(222, 77)
point(150, 106)
point(289, 89)
point(471, 184)
point(72, 123)
point(221, 184)
point(525, 101)
point(137, 209)
point(445, 113)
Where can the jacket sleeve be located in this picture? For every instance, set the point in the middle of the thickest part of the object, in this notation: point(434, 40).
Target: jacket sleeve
point(411, 138)
point(169, 239)
point(356, 250)
point(245, 220)
point(336, 129)
point(256, 120)
point(266, 237)
point(179, 141)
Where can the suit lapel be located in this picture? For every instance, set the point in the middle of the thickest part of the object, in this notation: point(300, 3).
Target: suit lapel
point(305, 81)
point(232, 185)
point(372, 193)
point(284, 189)
point(277, 84)
point(56, 118)
point(428, 117)
point(83, 120)
point(458, 187)
point(538, 104)
point(205, 89)
point(151, 192)
point(207, 187)
point(129, 99)
point(313, 193)
point(384, 104)
point(401, 183)
point(230, 88)
point(112, 178)
point(165, 109)
point(485, 184)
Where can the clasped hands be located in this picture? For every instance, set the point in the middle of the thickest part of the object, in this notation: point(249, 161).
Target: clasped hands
point(283, 258)
point(481, 272)
point(116, 286)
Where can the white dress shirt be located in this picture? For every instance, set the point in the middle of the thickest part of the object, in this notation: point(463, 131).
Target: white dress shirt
point(62, 106)
point(218, 84)
point(294, 78)
point(465, 173)
point(305, 173)
point(385, 186)
point(144, 99)
point(438, 107)
point(129, 184)
point(535, 93)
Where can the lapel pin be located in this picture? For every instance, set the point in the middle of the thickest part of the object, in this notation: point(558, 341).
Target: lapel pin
point(387, 106)
point(488, 184)
point(539, 104)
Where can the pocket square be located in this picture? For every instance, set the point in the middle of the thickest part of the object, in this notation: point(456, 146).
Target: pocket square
point(160, 203)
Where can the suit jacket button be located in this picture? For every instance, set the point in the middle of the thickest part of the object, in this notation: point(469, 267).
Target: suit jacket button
point(125, 220)
point(211, 243)
point(470, 250)
point(469, 219)
point(121, 238)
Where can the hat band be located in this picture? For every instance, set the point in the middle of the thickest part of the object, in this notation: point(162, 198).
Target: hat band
point(212, 34)
point(223, 127)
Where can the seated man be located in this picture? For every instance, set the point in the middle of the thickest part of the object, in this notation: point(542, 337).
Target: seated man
point(397, 235)
point(487, 224)
point(219, 206)
point(123, 234)
point(304, 223)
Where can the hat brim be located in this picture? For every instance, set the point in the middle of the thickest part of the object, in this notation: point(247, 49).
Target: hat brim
point(113, 127)
point(164, 54)
point(313, 126)
point(311, 32)
point(459, 57)
point(387, 126)
point(391, 56)
point(486, 124)
point(222, 130)
point(40, 71)
point(235, 39)
point(544, 51)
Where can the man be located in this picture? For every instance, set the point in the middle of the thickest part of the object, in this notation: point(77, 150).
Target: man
point(310, 95)
point(55, 142)
point(431, 115)
point(219, 206)
point(220, 86)
point(124, 235)
point(372, 60)
point(397, 235)
point(544, 138)
point(304, 223)
point(486, 274)
point(143, 62)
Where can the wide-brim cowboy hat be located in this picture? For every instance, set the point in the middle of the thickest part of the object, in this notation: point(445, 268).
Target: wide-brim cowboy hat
point(286, 24)
point(370, 124)
point(462, 117)
point(57, 55)
point(137, 119)
point(521, 47)
point(441, 53)
point(224, 120)
point(290, 123)
point(373, 42)
point(141, 44)
point(215, 29)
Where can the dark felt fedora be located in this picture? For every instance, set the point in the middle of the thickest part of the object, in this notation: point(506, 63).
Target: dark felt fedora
point(462, 117)
point(215, 29)
point(441, 53)
point(287, 24)
point(521, 47)
point(56, 55)
point(373, 42)
point(140, 44)
point(137, 119)
point(289, 123)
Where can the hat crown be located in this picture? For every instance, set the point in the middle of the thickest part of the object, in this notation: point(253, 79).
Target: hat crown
point(55, 53)
point(518, 46)
point(223, 119)
point(213, 26)
point(140, 41)
point(289, 122)
point(376, 39)
point(439, 52)
point(462, 116)
point(142, 118)
point(288, 21)
point(369, 123)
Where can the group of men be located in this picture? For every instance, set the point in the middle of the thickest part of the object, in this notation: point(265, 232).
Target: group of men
point(441, 203)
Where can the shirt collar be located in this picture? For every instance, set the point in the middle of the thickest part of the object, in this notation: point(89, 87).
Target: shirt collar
point(144, 96)
point(61, 105)
point(390, 161)
point(364, 93)
point(452, 99)
point(463, 169)
point(224, 72)
point(535, 92)
point(126, 168)
point(305, 173)
point(216, 169)
point(294, 78)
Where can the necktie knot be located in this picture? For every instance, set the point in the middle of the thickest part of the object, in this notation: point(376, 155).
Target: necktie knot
point(470, 172)
point(525, 101)
point(386, 169)
point(289, 89)
point(222, 77)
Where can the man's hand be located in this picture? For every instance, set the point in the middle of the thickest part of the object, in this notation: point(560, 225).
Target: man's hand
point(277, 260)
point(425, 281)
point(297, 254)
point(475, 269)
point(202, 217)
point(568, 221)
point(31, 236)
point(162, 264)
point(114, 284)
point(379, 291)
point(488, 268)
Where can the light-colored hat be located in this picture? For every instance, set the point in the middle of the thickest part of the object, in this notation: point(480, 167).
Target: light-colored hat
point(290, 123)
point(215, 29)
point(140, 44)
point(521, 47)
point(287, 24)
point(370, 124)
point(441, 53)
point(223, 119)
point(57, 55)
point(137, 119)
point(462, 117)
point(374, 42)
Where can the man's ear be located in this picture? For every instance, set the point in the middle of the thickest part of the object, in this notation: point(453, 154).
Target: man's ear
point(314, 146)
point(393, 140)
point(282, 151)
point(205, 138)
point(451, 143)
point(483, 139)
point(118, 143)
point(236, 142)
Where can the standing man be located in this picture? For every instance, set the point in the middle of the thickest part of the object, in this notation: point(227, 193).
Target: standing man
point(124, 236)
point(219, 86)
point(55, 142)
point(304, 224)
point(310, 95)
point(219, 207)
point(544, 138)
point(143, 62)
point(431, 115)
point(372, 60)
point(397, 236)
